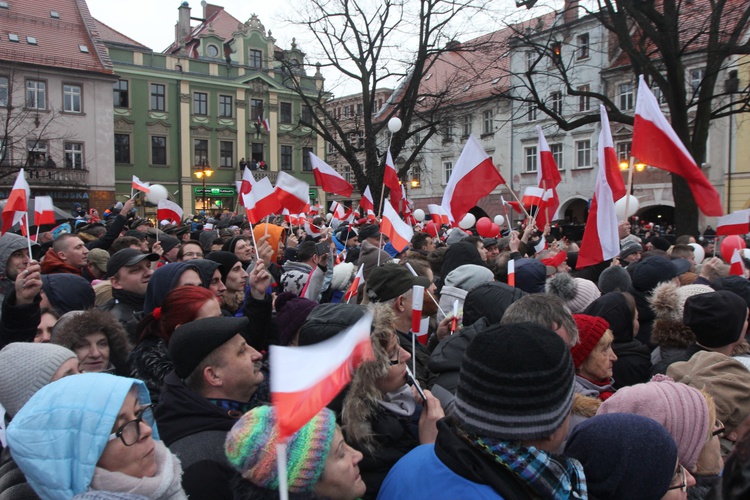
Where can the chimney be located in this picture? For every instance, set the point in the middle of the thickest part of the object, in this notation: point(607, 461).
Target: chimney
point(182, 29)
point(570, 11)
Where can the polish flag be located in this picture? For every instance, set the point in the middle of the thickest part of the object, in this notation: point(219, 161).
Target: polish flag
point(338, 210)
point(473, 178)
point(44, 211)
point(512, 272)
point(312, 229)
point(532, 196)
point(399, 232)
point(305, 379)
point(266, 125)
point(292, 193)
point(735, 223)
point(140, 186)
point(327, 178)
point(315, 209)
point(169, 210)
point(608, 159)
point(416, 308)
point(656, 143)
point(371, 215)
point(261, 201)
point(354, 287)
point(366, 202)
point(434, 211)
point(391, 180)
point(737, 266)
point(17, 204)
point(246, 185)
point(548, 177)
point(601, 238)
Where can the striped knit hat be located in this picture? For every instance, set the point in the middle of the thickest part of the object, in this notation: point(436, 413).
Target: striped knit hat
point(251, 449)
point(516, 383)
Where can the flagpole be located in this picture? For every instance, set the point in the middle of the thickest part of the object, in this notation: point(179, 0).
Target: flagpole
point(414, 273)
point(282, 472)
point(519, 202)
point(630, 187)
point(28, 234)
point(546, 207)
point(255, 244)
point(37, 235)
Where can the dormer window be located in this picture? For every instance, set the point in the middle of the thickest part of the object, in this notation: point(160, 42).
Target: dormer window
point(256, 59)
point(212, 51)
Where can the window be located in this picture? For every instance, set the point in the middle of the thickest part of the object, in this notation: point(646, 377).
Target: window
point(582, 46)
point(121, 94)
point(696, 77)
point(467, 126)
point(4, 91)
point(36, 94)
point(286, 158)
point(286, 112)
point(158, 150)
point(31, 40)
point(557, 154)
point(6, 152)
point(529, 154)
point(256, 59)
point(122, 148)
point(447, 130)
point(256, 109)
point(200, 151)
point(447, 171)
point(357, 139)
point(200, 103)
point(226, 154)
point(556, 102)
point(330, 148)
point(346, 111)
point(583, 154)
point(37, 150)
point(625, 93)
point(584, 101)
point(348, 173)
point(225, 106)
point(257, 154)
point(74, 155)
point(13, 37)
point(530, 111)
point(488, 124)
point(307, 114)
point(658, 93)
point(158, 97)
point(72, 98)
point(623, 151)
point(530, 60)
point(306, 165)
point(416, 177)
point(212, 51)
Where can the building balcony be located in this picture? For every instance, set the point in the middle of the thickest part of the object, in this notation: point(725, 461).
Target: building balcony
point(46, 176)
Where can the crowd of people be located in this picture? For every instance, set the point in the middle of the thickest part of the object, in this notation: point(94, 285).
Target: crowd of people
point(135, 364)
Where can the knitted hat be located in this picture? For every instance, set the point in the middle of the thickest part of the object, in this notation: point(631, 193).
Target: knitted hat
point(578, 293)
point(614, 279)
point(251, 449)
point(327, 320)
point(651, 271)
point(68, 292)
point(624, 456)
point(369, 231)
point(629, 248)
point(717, 319)
point(668, 299)
point(227, 261)
point(531, 275)
point(291, 313)
point(590, 330)
point(660, 243)
point(468, 276)
point(26, 367)
point(168, 242)
point(192, 342)
point(454, 236)
point(490, 301)
point(736, 284)
point(724, 378)
point(681, 409)
point(516, 383)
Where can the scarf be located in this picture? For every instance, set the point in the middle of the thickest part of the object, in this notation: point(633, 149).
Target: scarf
point(400, 402)
point(164, 485)
point(600, 390)
point(131, 299)
point(547, 475)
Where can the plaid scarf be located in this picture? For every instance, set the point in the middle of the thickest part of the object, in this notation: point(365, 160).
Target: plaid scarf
point(548, 476)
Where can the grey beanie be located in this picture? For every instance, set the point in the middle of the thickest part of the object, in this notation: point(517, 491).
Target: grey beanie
point(26, 367)
point(614, 279)
point(455, 236)
point(468, 276)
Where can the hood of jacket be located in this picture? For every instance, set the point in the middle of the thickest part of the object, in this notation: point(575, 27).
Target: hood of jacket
point(277, 233)
point(671, 333)
point(368, 258)
point(614, 308)
point(51, 264)
point(68, 292)
point(10, 243)
point(59, 435)
point(489, 300)
point(162, 281)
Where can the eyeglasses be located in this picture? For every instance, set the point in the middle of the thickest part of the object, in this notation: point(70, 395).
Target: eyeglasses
point(718, 428)
point(130, 432)
point(683, 483)
point(193, 254)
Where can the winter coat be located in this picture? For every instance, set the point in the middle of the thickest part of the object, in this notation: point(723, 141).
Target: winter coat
point(13, 485)
point(633, 365)
point(295, 277)
point(127, 310)
point(149, 361)
point(10, 243)
point(19, 322)
point(673, 340)
point(52, 264)
point(445, 360)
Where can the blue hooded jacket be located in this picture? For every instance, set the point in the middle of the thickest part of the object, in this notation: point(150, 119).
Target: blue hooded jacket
point(59, 435)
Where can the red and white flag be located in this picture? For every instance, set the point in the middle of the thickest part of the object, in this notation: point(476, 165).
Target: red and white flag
point(473, 178)
point(338, 210)
point(608, 159)
point(532, 196)
point(397, 230)
point(737, 266)
point(305, 379)
point(292, 193)
point(261, 201)
point(416, 308)
point(266, 125)
point(601, 239)
point(391, 180)
point(735, 223)
point(656, 143)
point(366, 202)
point(246, 184)
point(17, 204)
point(354, 287)
point(140, 186)
point(327, 178)
point(44, 211)
point(312, 229)
point(548, 177)
point(438, 214)
point(512, 272)
point(169, 210)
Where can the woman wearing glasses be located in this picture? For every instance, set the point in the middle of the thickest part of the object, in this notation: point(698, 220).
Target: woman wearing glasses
point(93, 432)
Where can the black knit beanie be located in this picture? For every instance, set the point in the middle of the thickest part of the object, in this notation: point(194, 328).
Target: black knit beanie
point(716, 318)
point(516, 383)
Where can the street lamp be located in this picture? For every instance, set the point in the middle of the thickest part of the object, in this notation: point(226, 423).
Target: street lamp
point(639, 167)
point(203, 172)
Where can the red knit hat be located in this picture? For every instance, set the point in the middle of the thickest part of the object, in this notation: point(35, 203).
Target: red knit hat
point(590, 330)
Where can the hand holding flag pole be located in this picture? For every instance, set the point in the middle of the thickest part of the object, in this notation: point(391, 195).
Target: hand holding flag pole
point(414, 273)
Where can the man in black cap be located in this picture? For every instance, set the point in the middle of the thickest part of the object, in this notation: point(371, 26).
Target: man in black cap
point(170, 246)
point(216, 379)
point(129, 271)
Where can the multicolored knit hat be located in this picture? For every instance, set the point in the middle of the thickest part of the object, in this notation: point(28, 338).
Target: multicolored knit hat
point(251, 449)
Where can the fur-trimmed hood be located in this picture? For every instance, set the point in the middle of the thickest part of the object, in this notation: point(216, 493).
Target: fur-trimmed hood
point(585, 406)
point(670, 333)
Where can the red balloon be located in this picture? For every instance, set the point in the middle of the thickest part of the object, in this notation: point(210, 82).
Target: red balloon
point(495, 231)
point(432, 229)
point(484, 227)
point(729, 244)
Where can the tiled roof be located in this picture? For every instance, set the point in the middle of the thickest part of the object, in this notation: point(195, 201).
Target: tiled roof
point(218, 22)
point(58, 40)
point(110, 35)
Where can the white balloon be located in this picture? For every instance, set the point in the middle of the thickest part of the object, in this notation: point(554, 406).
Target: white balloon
point(394, 125)
point(468, 221)
point(632, 207)
point(156, 193)
point(419, 214)
point(499, 220)
point(698, 253)
point(329, 216)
